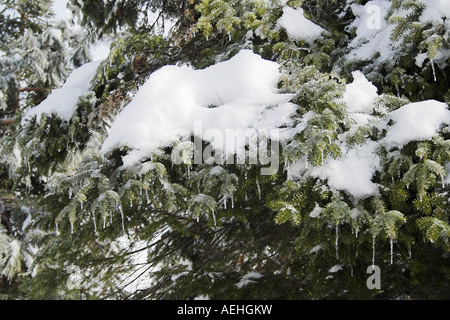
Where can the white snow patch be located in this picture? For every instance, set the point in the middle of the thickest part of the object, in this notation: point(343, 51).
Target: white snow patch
point(336, 268)
point(360, 94)
point(420, 59)
point(248, 279)
point(63, 102)
point(353, 172)
point(235, 94)
point(435, 11)
point(298, 26)
point(372, 32)
point(315, 249)
point(417, 121)
point(355, 213)
point(316, 212)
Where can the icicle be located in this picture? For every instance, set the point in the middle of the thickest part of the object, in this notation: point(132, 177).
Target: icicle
point(95, 223)
point(356, 232)
point(373, 251)
point(70, 193)
point(259, 188)
point(392, 250)
point(104, 222)
point(434, 70)
point(214, 217)
point(351, 271)
point(232, 202)
point(443, 181)
point(146, 197)
point(188, 172)
point(122, 217)
point(71, 226)
point(56, 228)
point(229, 36)
point(337, 242)
point(81, 205)
point(225, 202)
point(131, 203)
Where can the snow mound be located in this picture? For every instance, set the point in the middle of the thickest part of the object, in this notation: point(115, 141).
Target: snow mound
point(417, 121)
point(372, 32)
point(353, 172)
point(235, 94)
point(63, 102)
point(435, 11)
point(360, 94)
point(298, 26)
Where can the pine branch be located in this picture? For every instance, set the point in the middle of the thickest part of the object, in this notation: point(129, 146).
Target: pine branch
point(31, 89)
point(5, 122)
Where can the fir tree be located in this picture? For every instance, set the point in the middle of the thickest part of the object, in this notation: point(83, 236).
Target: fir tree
point(34, 59)
point(156, 229)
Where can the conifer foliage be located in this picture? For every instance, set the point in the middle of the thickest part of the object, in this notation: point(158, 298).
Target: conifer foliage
point(357, 92)
point(35, 57)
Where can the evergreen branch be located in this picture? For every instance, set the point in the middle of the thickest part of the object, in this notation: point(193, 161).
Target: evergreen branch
point(5, 122)
point(31, 89)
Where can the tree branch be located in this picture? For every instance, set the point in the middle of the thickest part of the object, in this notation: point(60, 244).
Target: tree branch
point(31, 89)
point(5, 122)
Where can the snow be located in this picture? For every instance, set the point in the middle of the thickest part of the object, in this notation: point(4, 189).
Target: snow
point(336, 268)
point(360, 94)
point(373, 31)
point(315, 249)
point(60, 9)
point(435, 11)
point(100, 50)
point(216, 171)
point(175, 100)
point(352, 172)
point(298, 26)
point(63, 102)
point(417, 121)
point(420, 58)
point(372, 37)
point(248, 279)
point(316, 212)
